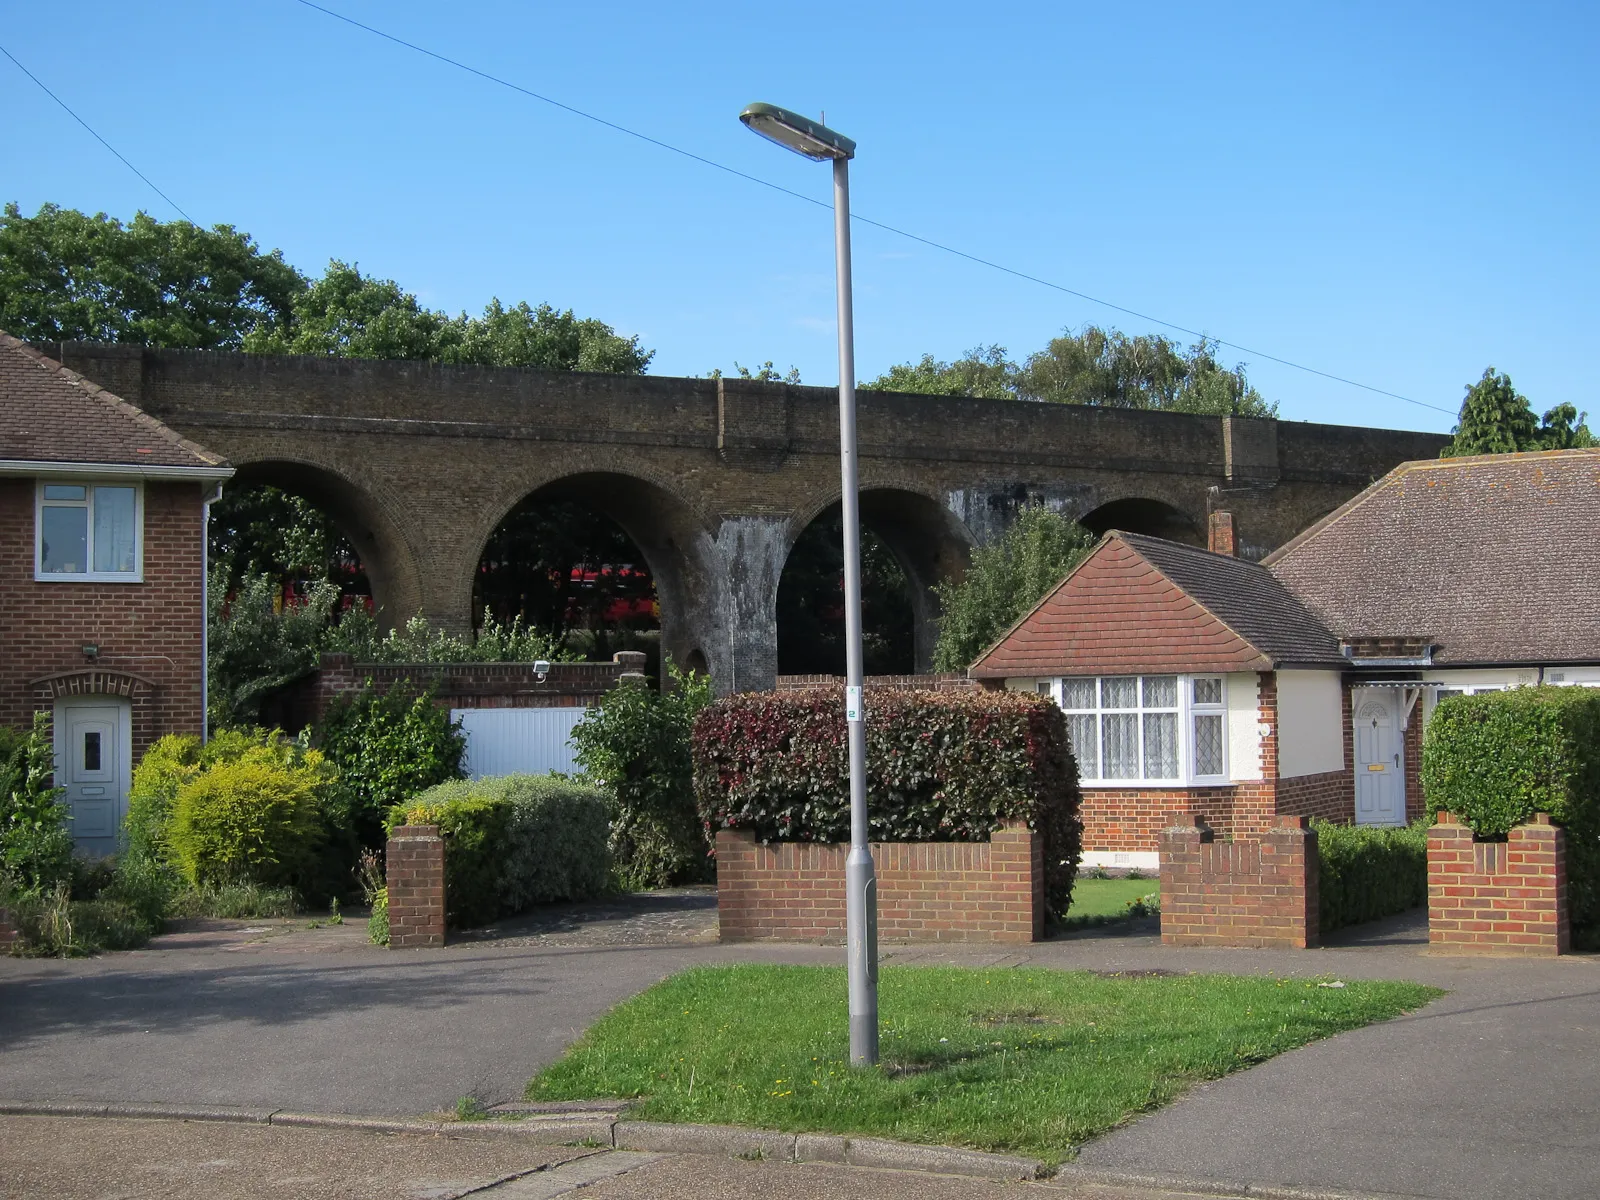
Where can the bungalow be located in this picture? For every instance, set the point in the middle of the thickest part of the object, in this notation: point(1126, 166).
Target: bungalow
point(102, 579)
point(1193, 680)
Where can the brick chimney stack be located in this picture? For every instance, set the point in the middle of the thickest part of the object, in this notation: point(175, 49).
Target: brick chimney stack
point(1220, 535)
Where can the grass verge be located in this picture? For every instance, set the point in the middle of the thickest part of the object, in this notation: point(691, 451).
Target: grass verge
point(1033, 1061)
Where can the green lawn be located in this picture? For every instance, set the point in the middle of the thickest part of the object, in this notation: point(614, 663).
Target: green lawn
point(1030, 1060)
point(1095, 901)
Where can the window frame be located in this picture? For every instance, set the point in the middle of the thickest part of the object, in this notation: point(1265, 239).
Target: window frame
point(1187, 710)
point(89, 484)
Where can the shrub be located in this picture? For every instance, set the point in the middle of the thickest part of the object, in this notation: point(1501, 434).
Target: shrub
point(1497, 758)
point(1370, 871)
point(255, 819)
point(637, 745)
point(388, 746)
point(378, 921)
point(234, 901)
point(51, 923)
point(170, 763)
point(514, 841)
point(941, 766)
point(35, 843)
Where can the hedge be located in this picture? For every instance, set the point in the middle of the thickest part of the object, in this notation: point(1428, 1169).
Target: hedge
point(1497, 758)
point(941, 767)
point(514, 841)
point(1370, 871)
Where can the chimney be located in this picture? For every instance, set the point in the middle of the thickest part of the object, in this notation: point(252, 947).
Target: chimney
point(1220, 534)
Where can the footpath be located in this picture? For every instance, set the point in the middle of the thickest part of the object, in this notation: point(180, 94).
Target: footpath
point(1492, 1091)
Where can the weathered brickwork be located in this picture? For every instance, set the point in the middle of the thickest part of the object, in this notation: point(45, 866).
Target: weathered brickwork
point(927, 892)
point(456, 685)
point(1505, 897)
point(414, 873)
point(149, 634)
point(715, 479)
point(1260, 893)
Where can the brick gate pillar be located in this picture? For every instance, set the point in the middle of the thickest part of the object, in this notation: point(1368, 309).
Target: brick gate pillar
point(414, 873)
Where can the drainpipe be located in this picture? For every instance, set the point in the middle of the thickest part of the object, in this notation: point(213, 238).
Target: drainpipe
point(206, 502)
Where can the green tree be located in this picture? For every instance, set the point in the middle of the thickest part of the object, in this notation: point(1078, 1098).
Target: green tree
point(1004, 581)
point(1099, 367)
point(765, 373)
point(983, 372)
point(545, 338)
point(259, 644)
point(636, 745)
point(65, 275)
point(1497, 419)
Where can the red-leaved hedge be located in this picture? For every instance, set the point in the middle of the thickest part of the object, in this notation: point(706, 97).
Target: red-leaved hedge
point(941, 767)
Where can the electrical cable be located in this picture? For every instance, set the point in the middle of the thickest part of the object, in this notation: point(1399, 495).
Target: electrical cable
point(1012, 271)
point(67, 109)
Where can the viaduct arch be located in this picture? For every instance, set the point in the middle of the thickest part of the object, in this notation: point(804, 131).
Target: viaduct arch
point(714, 480)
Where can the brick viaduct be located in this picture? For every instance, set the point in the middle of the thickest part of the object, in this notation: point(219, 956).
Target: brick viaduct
point(715, 479)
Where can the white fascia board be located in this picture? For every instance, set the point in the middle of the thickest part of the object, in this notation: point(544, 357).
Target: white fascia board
point(74, 470)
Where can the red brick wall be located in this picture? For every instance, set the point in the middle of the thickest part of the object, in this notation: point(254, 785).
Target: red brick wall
point(150, 634)
point(1243, 893)
point(1505, 897)
point(414, 873)
point(927, 892)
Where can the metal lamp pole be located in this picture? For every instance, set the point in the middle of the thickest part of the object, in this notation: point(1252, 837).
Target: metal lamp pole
point(822, 144)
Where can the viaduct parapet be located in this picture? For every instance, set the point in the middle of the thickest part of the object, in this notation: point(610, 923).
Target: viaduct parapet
point(714, 479)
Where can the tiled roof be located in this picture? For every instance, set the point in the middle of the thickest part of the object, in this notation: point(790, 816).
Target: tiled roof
point(49, 414)
point(1492, 558)
point(1141, 604)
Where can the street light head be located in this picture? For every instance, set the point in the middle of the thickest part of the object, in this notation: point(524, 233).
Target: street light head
point(797, 133)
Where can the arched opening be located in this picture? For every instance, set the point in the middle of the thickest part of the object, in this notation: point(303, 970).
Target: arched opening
point(1154, 518)
point(299, 524)
point(909, 543)
point(596, 560)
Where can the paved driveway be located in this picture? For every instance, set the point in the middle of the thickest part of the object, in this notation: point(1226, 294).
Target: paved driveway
point(1493, 1091)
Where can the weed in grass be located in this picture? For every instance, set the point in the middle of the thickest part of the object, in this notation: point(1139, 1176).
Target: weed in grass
point(1027, 1060)
point(335, 917)
point(471, 1108)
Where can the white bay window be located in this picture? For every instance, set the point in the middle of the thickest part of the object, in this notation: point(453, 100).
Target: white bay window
point(1160, 729)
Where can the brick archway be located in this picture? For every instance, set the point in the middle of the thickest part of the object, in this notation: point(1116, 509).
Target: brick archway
point(140, 693)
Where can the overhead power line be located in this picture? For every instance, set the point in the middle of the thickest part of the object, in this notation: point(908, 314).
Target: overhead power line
point(68, 110)
point(929, 242)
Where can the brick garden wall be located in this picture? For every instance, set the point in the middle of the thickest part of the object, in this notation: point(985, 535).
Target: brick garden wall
point(1259, 893)
point(149, 634)
point(414, 873)
point(927, 892)
point(1505, 897)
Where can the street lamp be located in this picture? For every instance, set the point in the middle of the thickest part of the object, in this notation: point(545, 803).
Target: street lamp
point(819, 143)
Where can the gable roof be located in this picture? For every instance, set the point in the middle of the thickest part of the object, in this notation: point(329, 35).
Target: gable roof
point(1144, 605)
point(1490, 558)
point(55, 417)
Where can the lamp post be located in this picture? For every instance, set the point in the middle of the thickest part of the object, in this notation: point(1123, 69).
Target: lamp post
point(821, 144)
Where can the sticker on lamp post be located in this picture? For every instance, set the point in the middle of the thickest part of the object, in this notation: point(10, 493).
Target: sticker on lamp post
point(852, 704)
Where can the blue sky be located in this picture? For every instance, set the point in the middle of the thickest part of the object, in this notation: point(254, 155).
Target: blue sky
point(1401, 194)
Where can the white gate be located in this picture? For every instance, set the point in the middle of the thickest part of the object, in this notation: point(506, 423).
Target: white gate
point(512, 741)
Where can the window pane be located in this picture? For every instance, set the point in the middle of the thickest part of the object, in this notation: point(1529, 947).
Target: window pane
point(1042, 686)
point(1208, 744)
point(91, 750)
point(1208, 691)
point(1160, 745)
point(1085, 744)
point(113, 529)
point(1077, 693)
point(1161, 691)
point(65, 534)
point(1119, 692)
point(63, 491)
point(1120, 759)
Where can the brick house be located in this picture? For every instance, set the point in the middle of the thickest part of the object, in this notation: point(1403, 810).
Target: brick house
point(102, 579)
point(1195, 681)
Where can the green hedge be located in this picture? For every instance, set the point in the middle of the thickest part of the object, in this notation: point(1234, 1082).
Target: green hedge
point(514, 841)
point(1497, 758)
point(1370, 871)
point(941, 767)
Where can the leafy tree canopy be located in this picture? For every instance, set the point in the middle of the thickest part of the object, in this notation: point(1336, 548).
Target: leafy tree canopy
point(65, 275)
point(1497, 419)
point(1004, 581)
point(1094, 366)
